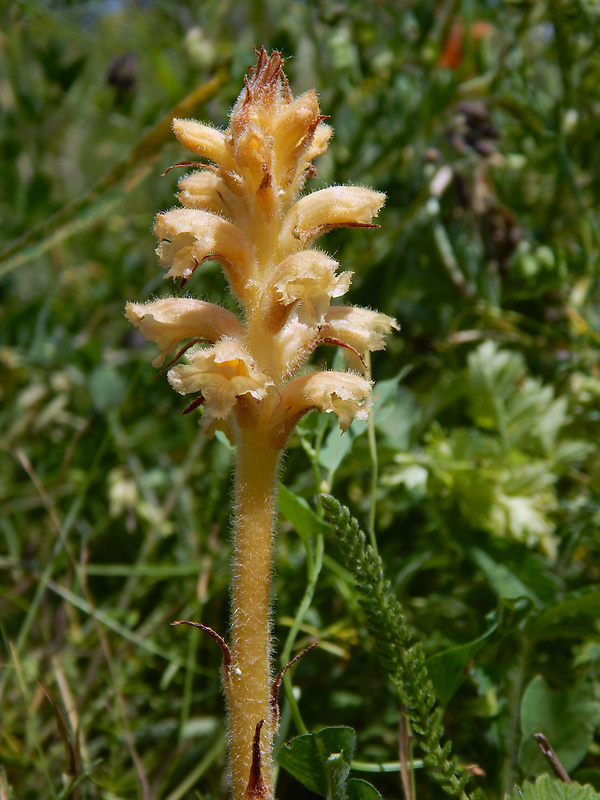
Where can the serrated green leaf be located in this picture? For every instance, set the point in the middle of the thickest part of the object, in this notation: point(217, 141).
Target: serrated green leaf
point(591, 776)
point(567, 720)
point(493, 375)
point(306, 757)
point(547, 788)
point(448, 670)
point(299, 514)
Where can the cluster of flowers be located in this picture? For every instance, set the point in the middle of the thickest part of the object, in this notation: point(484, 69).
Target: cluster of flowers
point(241, 208)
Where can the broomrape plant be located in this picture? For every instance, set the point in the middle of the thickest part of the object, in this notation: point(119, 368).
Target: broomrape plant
point(243, 208)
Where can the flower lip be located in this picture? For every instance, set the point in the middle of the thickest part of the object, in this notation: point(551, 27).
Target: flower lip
point(221, 373)
point(360, 328)
point(308, 281)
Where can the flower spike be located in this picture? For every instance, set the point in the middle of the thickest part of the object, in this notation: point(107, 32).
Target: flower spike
point(248, 374)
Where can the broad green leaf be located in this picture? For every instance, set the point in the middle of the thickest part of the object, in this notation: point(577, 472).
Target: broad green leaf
point(222, 439)
point(574, 604)
point(306, 757)
point(567, 720)
point(504, 582)
point(357, 789)
point(107, 387)
point(338, 445)
point(337, 771)
point(299, 514)
point(448, 670)
point(535, 571)
point(397, 419)
point(547, 788)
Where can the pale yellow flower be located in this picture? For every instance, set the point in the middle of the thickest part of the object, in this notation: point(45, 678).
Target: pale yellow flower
point(222, 374)
point(189, 236)
point(345, 394)
point(319, 212)
point(308, 281)
point(360, 328)
point(173, 319)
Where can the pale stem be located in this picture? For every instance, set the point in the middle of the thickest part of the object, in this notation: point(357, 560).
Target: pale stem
point(250, 689)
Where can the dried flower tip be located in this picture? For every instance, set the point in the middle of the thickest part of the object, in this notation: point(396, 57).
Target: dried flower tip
point(264, 88)
point(296, 129)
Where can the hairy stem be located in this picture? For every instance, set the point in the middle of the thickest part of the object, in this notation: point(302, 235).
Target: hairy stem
point(249, 691)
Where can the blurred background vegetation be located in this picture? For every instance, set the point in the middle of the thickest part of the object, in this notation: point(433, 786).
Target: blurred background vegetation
point(479, 477)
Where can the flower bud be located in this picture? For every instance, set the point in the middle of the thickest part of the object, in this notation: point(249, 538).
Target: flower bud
point(203, 189)
point(202, 140)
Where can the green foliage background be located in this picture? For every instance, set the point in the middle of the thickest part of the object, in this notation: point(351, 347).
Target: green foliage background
point(478, 478)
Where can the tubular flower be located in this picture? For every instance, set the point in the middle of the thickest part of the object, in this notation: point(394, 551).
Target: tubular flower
point(222, 374)
point(168, 322)
point(360, 328)
point(346, 394)
point(307, 280)
point(242, 208)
